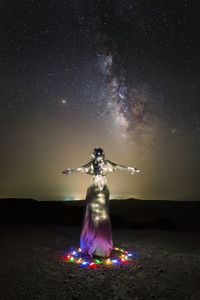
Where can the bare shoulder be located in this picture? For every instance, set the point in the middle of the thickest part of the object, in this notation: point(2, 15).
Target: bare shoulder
point(110, 165)
point(87, 167)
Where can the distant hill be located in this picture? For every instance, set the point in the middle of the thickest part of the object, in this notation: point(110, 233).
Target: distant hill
point(16, 201)
point(129, 213)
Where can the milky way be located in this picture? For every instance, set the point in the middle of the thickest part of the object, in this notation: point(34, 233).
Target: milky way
point(130, 108)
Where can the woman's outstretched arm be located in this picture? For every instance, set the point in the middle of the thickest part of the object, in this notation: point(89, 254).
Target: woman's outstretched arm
point(131, 169)
point(123, 168)
point(83, 169)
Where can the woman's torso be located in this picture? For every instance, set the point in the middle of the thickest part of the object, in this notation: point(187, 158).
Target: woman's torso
point(98, 170)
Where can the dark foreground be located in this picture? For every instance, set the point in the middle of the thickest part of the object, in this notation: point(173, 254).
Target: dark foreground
point(168, 266)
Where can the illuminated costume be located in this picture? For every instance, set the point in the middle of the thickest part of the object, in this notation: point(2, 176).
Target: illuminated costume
point(96, 235)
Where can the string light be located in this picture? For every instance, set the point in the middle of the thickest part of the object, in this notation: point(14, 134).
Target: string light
point(76, 256)
point(108, 261)
point(92, 265)
point(72, 259)
point(78, 261)
point(84, 263)
point(114, 261)
point(97, 261)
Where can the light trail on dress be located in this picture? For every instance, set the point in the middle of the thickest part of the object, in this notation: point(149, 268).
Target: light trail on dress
point(118, 256)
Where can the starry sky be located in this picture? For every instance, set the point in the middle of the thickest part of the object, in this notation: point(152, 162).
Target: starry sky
point(122, 75)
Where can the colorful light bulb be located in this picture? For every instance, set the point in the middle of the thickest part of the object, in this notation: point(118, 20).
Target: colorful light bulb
point(97, 261)
point(108, 261)
point(84, 263)
point(92, 265)
point(114, 261)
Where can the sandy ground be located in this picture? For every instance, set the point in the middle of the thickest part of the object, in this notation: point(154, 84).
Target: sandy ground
point(168, 266)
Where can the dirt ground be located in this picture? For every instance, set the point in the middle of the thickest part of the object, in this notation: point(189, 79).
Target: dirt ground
point(167, 266)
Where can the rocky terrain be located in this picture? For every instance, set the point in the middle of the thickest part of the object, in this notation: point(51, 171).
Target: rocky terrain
point(167, 266)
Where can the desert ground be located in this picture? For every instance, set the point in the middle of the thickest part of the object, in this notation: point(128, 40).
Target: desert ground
point(167, 265)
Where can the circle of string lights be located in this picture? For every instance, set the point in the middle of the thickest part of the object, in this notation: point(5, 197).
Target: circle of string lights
point(75, 255)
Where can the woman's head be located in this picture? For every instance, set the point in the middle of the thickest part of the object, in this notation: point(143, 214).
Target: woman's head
point(98, 153)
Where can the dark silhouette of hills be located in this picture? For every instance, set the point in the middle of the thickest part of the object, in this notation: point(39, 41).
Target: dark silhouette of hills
point(129, 213)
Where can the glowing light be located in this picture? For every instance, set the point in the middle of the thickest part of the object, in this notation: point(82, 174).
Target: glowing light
point(68, 199)
point(123, 260)
point(72, 259)
point(101, 198)
point(100, 195)
point(123, 257)
point(104, 216)
point(79, 260)
point(97, 261)
point(84, 263)
point(92, 265)
point(108, 261)
point(114, 261)
point(100, 181)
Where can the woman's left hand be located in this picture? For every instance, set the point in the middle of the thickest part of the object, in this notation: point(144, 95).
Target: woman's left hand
point(134, 170)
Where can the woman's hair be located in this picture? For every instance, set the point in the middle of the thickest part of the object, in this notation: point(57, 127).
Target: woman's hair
point(97, 152)
point(97, 164)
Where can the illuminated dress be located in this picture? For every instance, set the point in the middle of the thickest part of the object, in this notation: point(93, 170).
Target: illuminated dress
point(96, 235)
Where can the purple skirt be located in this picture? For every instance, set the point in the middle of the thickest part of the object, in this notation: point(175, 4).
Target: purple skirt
point(96, 235)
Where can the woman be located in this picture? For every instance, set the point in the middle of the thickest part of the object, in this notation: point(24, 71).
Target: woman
point(96, 235)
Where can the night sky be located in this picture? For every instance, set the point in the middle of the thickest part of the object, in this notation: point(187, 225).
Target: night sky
point(121, 75)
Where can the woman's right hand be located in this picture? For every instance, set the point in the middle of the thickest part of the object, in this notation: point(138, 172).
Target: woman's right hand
point(67, 172)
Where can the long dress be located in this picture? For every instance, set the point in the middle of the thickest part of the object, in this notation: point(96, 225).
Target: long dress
point(96, 235)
